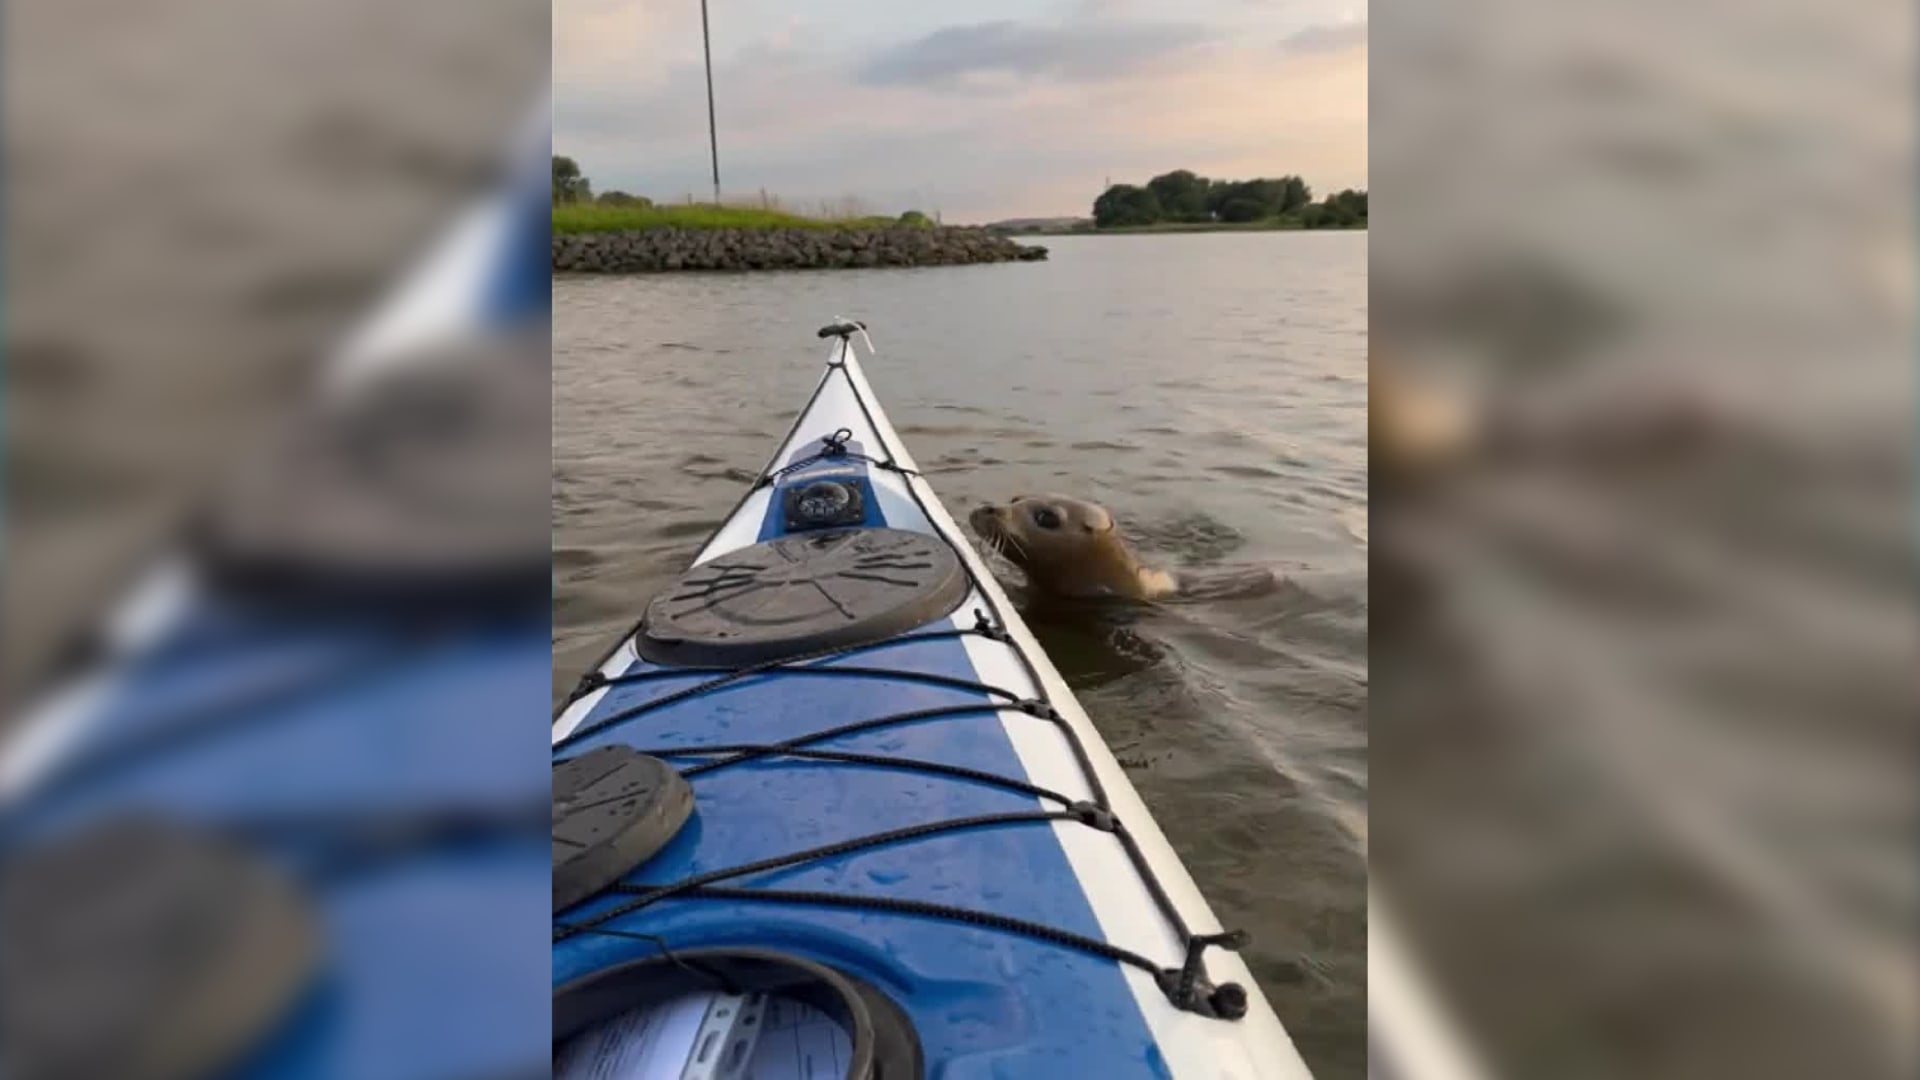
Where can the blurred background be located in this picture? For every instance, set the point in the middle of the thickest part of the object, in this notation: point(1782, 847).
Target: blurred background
point(200, 198)
point(275, 634)
point(1642, 648)
point(1643, 730)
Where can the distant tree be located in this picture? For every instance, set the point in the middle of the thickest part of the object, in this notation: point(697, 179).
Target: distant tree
point(1182, 195)
point(1273, 197)
point(1126, 204)
point(1219, 193)
point(621, 198)
point(1297, 194)
point(569, 186)
point(916, 219)
point(1241, 208)
point(1342, 210)
point(1352, 204)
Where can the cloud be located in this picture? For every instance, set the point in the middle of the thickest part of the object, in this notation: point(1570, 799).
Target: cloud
point(609, 38)
point(806, 123)
point(1085, 51)
point(1327, 38)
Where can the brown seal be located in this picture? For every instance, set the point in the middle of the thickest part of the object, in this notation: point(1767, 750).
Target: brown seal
point(1069, 548)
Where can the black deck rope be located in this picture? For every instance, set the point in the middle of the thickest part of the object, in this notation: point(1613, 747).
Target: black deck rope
point(936, 712)
point(810, 664)
point(736, 675)
point(329, 845)
point(1186, 987)
point(754, 751)
point(831, 450)
point(824, 851)
point(196, 723)
point(335, 846)
point(985, 627)
point(595, 678)
point(894, 905)
point(391, 829)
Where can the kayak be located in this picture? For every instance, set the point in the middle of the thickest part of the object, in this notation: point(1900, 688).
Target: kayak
point(275, 823)
point(829, 786)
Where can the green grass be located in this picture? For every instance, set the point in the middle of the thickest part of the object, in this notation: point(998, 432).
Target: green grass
point(593, 218)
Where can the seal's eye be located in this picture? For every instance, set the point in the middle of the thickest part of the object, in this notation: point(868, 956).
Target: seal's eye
point(1047, 517)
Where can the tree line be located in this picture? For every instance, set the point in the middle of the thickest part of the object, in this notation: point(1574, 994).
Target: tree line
point(1180, 197)
point(571, 186)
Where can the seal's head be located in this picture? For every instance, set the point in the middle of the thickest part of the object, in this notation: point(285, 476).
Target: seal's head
point(1067, 547)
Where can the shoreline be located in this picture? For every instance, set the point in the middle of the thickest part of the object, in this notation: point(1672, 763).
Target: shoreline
point(1139, 230)
point(1185, 227)
point(670, 249)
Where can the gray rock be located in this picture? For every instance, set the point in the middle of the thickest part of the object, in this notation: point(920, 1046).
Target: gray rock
point(670, 248)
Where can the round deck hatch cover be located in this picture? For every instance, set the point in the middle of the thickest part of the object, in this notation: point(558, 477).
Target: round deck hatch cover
point(426, 483)
point(613, 808)
point(146, 950)
point(802, 594)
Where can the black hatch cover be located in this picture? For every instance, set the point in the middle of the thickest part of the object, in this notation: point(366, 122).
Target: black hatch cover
point(800, 595)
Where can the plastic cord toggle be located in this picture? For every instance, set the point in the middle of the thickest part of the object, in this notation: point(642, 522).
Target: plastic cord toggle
point(1187, 986)
point(986, 627)
point(591, 681)
point(1036, 707)
point(1095, 815)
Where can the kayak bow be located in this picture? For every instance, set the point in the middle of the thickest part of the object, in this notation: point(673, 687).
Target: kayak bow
point(892, 785)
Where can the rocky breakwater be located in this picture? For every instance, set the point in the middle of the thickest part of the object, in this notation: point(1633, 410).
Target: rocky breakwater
point(659, 249)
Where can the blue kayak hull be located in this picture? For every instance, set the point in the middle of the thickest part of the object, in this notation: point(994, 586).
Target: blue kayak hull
point(943, 921)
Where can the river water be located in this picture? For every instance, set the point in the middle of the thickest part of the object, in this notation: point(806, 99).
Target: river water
point(1209, 389)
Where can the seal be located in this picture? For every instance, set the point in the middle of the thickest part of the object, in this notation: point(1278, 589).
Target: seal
point(1069, 548)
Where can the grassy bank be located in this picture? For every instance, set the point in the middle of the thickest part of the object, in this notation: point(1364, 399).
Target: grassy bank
point(596, 218)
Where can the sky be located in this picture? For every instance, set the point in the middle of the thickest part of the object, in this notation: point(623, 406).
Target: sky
point(980, 111)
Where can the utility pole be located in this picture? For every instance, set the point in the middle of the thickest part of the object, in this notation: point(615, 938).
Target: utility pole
point(713, 134)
